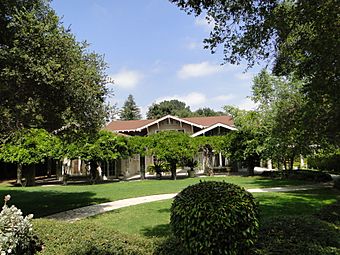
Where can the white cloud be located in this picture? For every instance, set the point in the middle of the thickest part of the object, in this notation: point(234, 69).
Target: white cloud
point(224, 97)
point(192, 45)
point(203, 22)
point(191, 99)
point(244, 76)
point(247, 104)
point(198, 70)
point(127, 79)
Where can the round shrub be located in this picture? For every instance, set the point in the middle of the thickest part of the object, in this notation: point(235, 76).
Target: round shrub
point(215, 218)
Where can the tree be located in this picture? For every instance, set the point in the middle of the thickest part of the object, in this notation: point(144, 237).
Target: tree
point(102, 146)
point(282, 104)
point(172, 107)
point(171, 147)
point(138, 145)
point(247, 143)
point(47, 79)
point(28, 147)
point(301, 37)
point(130, 110)
point(206, 111)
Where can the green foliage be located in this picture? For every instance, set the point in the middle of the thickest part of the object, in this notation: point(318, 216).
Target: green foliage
point(16, 233)
point(281, 107)
point(64, 238)
point(138, 144)
point(172, 107)
point(47, 79)
point(159, 167)
point(102, 146)
point(130, 110)
point(327, 160)
point(306, 175)
point(247, 143)
point(30, 146)
point(207, 112)
point(300, 37)
point(170, 146)
point(330, 213)
point(297, 235)
point(215, 218)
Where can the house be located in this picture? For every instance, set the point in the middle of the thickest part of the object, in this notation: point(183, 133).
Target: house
point(194, 126)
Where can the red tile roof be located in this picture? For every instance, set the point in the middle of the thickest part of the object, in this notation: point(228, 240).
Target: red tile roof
point(125, 125)
point(209, 121)
point(132, 125)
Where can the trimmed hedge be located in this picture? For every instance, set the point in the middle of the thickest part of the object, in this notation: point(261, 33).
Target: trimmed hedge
point(215, 218)
point(298, 235)
point(85, 238)
point(306, 175)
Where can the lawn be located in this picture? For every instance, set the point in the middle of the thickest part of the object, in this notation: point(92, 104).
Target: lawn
point(142, 227)
point(45, 200)
point(152, 219)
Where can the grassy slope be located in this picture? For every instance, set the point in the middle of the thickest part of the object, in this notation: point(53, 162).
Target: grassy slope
point(45, 200)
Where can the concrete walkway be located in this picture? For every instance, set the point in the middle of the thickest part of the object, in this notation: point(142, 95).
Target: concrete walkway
point(92, 210)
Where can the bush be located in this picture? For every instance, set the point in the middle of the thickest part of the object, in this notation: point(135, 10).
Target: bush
point(307, 175)
point(88, 238)
point(162, 167)
point(297, 235)
point(330, 213)
point(215, 218)
point(16, 234)
point(329, 161)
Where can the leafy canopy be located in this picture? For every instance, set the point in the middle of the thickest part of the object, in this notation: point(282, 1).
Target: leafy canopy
point(30, 146)
point(47, 78)
point(173, 107)
point(102, 146)
point(298, 37)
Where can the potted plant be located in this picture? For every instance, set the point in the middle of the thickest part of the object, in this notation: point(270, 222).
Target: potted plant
point(192, 164)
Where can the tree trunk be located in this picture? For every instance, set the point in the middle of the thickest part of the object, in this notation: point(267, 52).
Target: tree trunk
point(19, 174)
point(142, 173)
point(173, 171)
point(93, 171)
point(251, 166)
point(49, 167)
point(30, 175)
point(59, 169)
point(291, 162)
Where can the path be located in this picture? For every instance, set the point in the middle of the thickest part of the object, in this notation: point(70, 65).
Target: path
point(92, 210)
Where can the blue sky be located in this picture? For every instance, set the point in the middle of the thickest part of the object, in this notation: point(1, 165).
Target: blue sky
point(155, 52)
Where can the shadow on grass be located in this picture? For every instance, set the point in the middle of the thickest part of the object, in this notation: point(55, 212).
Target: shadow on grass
point(42, 203)
point(305, 202)
point(161, 230)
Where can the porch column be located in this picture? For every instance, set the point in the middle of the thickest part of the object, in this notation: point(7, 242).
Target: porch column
point(302, 162)
point(220, 159)
point(269, 164)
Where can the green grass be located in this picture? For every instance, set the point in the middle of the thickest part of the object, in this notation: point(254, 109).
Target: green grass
point(152, 219)
point(146, 226)
point(45, 200)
